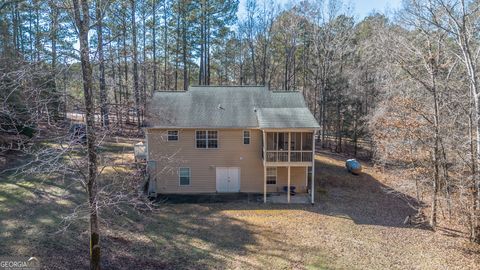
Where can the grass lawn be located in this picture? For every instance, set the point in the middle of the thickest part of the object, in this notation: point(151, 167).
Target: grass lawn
point(355, 224)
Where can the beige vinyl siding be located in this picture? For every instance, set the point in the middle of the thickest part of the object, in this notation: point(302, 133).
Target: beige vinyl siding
point(297, 175)
point(231, 152)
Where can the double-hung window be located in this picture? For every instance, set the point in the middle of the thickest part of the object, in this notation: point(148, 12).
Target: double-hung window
point(246, 137)
point(271, 175)
point(172, 135)
point(206, 138)
point(184, 174)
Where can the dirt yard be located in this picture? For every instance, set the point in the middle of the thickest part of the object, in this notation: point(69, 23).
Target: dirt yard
point(355, 224)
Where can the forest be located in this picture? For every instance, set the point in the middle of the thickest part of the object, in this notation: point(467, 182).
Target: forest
point(399, 90)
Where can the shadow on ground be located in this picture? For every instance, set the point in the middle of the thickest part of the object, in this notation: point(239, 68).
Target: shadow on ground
point(31, 211)
point(32, 214)
point(363, 198)
point(186, 236)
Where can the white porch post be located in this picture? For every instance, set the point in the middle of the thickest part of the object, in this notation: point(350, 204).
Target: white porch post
point(313, 168)
point(289, 155)
point(301, 149)
point(288, 185)
point(264, 168)
point(289, 144)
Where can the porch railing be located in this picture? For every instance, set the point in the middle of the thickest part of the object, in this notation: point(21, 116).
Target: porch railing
point(295, 156)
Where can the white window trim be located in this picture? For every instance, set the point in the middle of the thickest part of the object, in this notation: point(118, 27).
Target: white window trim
point(189, 176)
point(207, 130)
point(178, 136)
point(276, 176)
point(249, 137)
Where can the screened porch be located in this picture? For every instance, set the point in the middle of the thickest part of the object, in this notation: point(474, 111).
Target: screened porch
point(289, 147)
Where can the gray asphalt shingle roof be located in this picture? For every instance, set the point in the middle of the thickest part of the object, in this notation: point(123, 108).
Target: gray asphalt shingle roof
point(229, 107)
point(285, 118)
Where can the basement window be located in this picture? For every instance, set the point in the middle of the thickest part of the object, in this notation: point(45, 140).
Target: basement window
point(271, 175)
point(184, 174)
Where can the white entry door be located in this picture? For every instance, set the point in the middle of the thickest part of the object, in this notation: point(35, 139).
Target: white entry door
point(228, 179)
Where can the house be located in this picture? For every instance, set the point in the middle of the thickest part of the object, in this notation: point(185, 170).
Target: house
point(215, 139)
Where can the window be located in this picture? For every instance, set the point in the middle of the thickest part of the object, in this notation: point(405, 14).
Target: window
point(271, 175)
point(212, 139)
point(246, 137)
point(172, 135)
point(184, 174)
point(206, 139)
point(201, 139)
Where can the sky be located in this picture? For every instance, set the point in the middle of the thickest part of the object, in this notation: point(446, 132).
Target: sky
point(362, 8)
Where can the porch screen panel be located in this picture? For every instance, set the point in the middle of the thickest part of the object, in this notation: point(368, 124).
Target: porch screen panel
point(282, 142)
point(271, 141)
point(307, 141)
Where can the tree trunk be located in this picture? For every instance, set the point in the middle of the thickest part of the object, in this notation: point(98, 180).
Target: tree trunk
point(323, 121)
point(125, 60)
point(338, 145)
point(113, 76)
point(207, 51)
point(101, 66)
point(436, 153)
point(83, 23)
point(264, 63)
point(465, 39)
point(201, 72)
point(15, 28)
point(55, 106)
point(184, 55)
point(285, 74)
point(154, 43)
point(177, 49)
point(166, 83)
point(254, 66)
point(37, 32)
point(355, 131)
point(473, 221)
point(476, 181)
point(119, 106)
point(144, 61)
point(135, 65)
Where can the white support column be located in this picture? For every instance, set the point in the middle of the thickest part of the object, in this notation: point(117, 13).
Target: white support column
point(288, 185)
point(301, 149)
point(264, 168)
point(289, 142)
point(264, 184)
point(313, 168)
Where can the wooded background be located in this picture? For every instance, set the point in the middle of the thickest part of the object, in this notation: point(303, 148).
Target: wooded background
point(402, 90)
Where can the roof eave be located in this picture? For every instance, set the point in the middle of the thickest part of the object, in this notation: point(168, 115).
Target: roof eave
point(198, 127)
